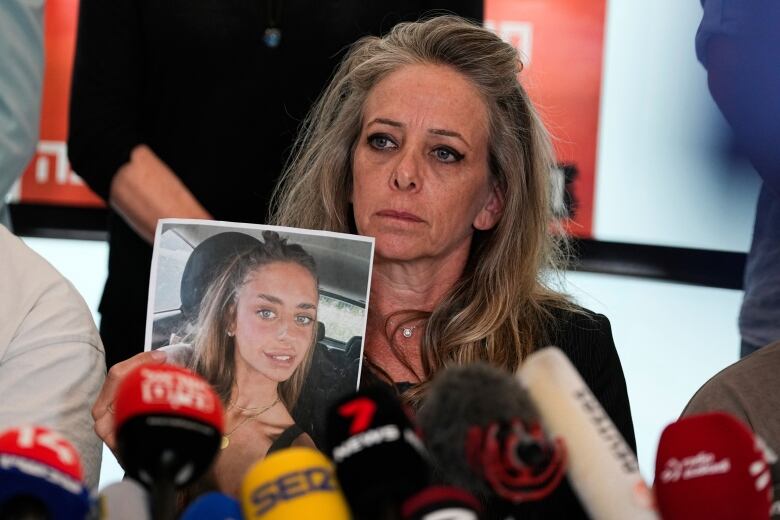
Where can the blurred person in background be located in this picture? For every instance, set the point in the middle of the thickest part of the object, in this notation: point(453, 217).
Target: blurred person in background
point(189, 109)
point(51, 359)
point(738, 42)
point(21, 79)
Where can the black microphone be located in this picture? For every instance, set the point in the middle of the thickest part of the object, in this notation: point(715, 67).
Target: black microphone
point(484, 434)
point(380, 460)
point(169, 427)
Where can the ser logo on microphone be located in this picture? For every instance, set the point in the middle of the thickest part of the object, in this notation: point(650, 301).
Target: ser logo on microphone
point(292, 485)
point(177, 390)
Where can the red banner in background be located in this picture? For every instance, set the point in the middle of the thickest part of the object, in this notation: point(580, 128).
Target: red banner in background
point(49, 179)
point(561, 42)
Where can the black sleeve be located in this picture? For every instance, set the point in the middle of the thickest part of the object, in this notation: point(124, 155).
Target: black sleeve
point(105, 93)
point(587, 340)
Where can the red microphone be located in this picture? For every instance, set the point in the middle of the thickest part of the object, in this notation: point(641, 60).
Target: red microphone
point(40, 475)
point(711, 466)
point(169, 424)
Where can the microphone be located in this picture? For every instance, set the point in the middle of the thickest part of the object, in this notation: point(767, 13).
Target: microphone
point(441, 503)
point(602, 467)
point(295, 482)
point(379, 459)
point(40, 476)
point(213, 506)
point(169, 427)
point(484, 435)
point(711, 466)
point(125, 500)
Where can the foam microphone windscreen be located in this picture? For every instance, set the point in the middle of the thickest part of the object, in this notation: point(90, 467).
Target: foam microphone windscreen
point(125, 500)
point(602, 467)
point(711, 466)
point(441, 503)
point(169, 426)
point(213, 506)
point(295, 482)
point(40, 476)
point(380, 460)
point(484, 435)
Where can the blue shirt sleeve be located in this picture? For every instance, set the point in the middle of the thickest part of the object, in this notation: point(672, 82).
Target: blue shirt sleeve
point(21, 79)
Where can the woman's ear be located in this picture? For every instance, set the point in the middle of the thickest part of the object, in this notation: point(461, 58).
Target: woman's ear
point(491, 211)
point(230, 316)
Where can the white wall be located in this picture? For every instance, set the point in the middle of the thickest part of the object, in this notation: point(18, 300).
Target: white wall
point(661, 173)
point(671, 338)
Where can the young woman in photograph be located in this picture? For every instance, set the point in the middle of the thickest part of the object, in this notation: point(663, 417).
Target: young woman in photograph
point(254, 344)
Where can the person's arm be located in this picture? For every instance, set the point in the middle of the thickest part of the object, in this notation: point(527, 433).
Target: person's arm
point(52, 362)
point(587, 340)
point(106, 139)
point(609, 382)
point(738, 43)
point(145, 190)
point(21, 78)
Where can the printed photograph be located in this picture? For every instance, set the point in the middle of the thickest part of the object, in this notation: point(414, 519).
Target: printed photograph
point(250, 306)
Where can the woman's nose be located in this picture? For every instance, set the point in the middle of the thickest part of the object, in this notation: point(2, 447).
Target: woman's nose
point(406, 172)
point(281, 331)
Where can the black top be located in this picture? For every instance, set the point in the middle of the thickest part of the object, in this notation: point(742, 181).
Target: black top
point(194, 80)
point(587, 340)
point(285, 439)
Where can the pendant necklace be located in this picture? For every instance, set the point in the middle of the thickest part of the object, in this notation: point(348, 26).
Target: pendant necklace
point(255, 413)
point(272, 35)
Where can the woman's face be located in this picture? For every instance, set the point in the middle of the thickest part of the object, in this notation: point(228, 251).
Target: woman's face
point(421, 182)
point(276, 319)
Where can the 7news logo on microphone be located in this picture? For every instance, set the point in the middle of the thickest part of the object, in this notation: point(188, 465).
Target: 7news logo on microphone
point(380, 461)
point(361, 412)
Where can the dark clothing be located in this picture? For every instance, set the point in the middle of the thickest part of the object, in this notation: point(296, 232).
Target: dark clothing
point(194, 81)
point(586, 339)
point(208, 483)
point(737, 42)
point(286, 438)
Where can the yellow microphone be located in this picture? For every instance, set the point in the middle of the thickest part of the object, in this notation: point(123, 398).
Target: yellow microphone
point(293, 483)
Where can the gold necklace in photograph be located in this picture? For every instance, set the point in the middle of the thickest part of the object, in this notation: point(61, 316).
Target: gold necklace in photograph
point(253, 415)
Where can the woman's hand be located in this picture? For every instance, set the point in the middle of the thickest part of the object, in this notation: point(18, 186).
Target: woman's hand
point(103, 410)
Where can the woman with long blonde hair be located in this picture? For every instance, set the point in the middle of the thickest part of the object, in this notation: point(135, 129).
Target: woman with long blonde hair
point(254, 343)
point(427, 141)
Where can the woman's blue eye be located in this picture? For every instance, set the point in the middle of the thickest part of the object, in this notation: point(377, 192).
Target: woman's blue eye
point(303, 320)
point(380, 141)
point(266, 314)
point(447, 155)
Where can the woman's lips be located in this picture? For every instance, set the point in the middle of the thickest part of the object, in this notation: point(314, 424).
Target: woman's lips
point(400, 215)
point(280, 359)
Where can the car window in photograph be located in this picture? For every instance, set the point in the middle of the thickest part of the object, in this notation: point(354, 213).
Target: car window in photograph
point(174, 252)
point(342, 319)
